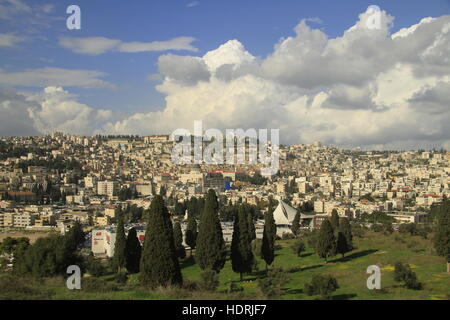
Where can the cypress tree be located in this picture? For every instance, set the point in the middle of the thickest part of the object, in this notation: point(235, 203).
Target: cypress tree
point(334, 220)
point(191, 233)
point(268, 240)
point(296, 223)
point(178, 240)
point(133, 252)
point(251, 225)
point(346, 229)
point(341, 244)
point(159, 264)
point(326, 242)
point(120, 246)
point(241, 250)
point(441, 238)
point(210, 253)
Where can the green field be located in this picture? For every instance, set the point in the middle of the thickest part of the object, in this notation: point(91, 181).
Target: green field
point(374, 249)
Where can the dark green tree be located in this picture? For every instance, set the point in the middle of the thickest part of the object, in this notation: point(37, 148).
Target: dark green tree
point(251, 224)
point(441, 238)
point(120, 246)
point(341, 244)
point(159, 264)
point(210, 252)
point(178, 241)
point(346, 229)
point(296, 223)
point(326, 241)
point(75, 237)
point(334, 220)
point(268, 240)
point(191, 233)
point(241, 250)
point(133, 252)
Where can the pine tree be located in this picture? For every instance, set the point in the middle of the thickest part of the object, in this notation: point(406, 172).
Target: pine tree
point(120, 246)
point(296, 223)
point(346, 229)
point(268, 240)
point(178, 241)
point(191, 233)
point(241, 250)
point(159, 264)
point(133, 252)
point(210, 253)
point(326, 242)
point(334, 220)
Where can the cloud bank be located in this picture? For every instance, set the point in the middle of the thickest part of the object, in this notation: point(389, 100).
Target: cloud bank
point(367, 88)
point(100, 45)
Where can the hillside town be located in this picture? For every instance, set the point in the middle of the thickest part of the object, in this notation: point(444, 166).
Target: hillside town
point(49, 182)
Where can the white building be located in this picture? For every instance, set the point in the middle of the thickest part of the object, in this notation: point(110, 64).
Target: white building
point(107, 188)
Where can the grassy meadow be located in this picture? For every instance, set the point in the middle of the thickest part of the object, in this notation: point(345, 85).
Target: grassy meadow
point(350, 272)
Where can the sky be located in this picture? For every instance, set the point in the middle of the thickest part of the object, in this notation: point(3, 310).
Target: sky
point(313, 69)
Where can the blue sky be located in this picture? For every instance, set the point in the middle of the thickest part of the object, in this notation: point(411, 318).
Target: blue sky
point(257, 24)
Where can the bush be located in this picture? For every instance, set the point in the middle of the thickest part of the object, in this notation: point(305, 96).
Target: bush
point(298, 247)
point(234, 288)
point(97, 285)
point(358, 231)
point(121, 278)
point(210, 280)
point(256, 247)
point(287, 236)
point(13, 288)
point(190, 285)
point(408, 228)
point(403, 273)
point(322, 285)
point(377, 228)
point(412, 244)
point(272, 285)
point(312, 239)
point(95, 267)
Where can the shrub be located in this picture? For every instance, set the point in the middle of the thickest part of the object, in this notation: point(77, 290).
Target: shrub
point(377, 228)
point(412, 244)
point(190, 285)
point(121, 278)
point(403, 273)
point(97, 285)
point(256, 247)
point(272, 285)
point(298, 247)
point(322, 285)
point(95, 267)
point(408, 228)
point(234, 288)
point(358, 231)
point(287, 236)
point(210, 280)
point(13, 288)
